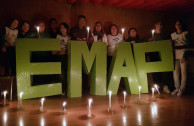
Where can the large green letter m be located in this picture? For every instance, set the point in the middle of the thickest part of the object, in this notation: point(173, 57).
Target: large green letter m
point(93, 62)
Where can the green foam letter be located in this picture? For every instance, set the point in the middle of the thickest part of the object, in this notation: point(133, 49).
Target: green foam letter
point(122, 65)
point(25, 69)
point(166, 64)
point(94, 62)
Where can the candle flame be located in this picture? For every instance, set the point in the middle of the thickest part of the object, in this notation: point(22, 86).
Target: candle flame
point(5, 92)
point(90, 102)
point(110, 92)
point(124, 93)
point(88, 28)
point(123, 30)
point(21, 93)
point(42, 100)
point(139, 87)
point(38, 28)
point(64, 103)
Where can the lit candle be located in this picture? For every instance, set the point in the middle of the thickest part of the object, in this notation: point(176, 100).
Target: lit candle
point(110, 93)
point(4, 94)
point(38, 29)
point(88, 31)
point(89, 107)
point(152, 92)
point(64, 104)
point(157, 89)
point(123, 30)
point(153, 31)
point(20, 100)
point(124, 94)
point(42, 103)
point(139, 92)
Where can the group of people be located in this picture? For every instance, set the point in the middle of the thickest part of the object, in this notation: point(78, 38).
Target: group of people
point(180, 40)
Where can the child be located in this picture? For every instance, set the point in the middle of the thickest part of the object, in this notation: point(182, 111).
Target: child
point(98, 33)
point(181, 42)
point(53, 27)
point(133, 37)
point(8, 38)
point(63, 36)
point(113, 38)
point(25, 30)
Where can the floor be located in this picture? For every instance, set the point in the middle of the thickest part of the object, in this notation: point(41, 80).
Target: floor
point(166, 110)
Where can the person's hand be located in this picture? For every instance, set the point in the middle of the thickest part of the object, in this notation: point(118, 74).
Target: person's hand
point(7, 44)
point(54, 52)
point(151, 39)
point(84, 39)
point(183, 60)
point(4, 49)
point(132, 42)
point(99, 40)
point(79, 39)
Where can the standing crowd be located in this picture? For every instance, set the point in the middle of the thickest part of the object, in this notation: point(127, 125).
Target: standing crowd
point(179, 38)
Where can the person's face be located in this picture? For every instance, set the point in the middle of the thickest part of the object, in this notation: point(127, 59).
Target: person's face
point(158, 26)
point(25, 27)
point(98, 27)
point(63, 29)
point(53, 25)
point(113, 30)
point(132, 33)
point(178, 25)
point(42, 27)
point(14, 24)
point(82, 22)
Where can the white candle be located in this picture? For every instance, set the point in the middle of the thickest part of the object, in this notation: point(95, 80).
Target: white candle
point(88, 31)
point(157, 88)
point(153, 31)
point(139, 92)
point(20, 100)
point(42, 103)
point(152, 92)
point(64, 104)
point(110, 93)
point(123, 30)
point(89, 107)
point(4, 94)
point(38, 29)
point(124, 94)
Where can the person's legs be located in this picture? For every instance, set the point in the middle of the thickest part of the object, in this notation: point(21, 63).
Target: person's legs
point(183, 75)
point(13, 61)
point(176, 74)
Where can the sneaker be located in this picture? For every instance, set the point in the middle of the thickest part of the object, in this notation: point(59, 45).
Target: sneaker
point(175, 92)
point(180, 93)
point(166, 90)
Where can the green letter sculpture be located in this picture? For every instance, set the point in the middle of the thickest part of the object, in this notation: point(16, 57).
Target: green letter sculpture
point(122, 65)
point(166, 64)
point(95, 63)
point(25, 69)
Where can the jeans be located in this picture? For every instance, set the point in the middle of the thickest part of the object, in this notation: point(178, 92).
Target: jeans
point(180, 68)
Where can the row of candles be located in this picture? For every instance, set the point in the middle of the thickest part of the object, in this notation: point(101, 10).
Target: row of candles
point(110, 109)
point(88, 31)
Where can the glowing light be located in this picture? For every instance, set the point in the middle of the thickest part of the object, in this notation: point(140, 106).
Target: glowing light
point(42, 122)
point(154, 110)
point(5, 117)
point(139, 92)
point(21, 122)
point(153, 31)
point(139, 120)
point(123, 30)
point(64, 122)
point(124, 119)
point(64, 104)
point(89, 107)
point(38, 29)
point(124, 94)
point(42, 104)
